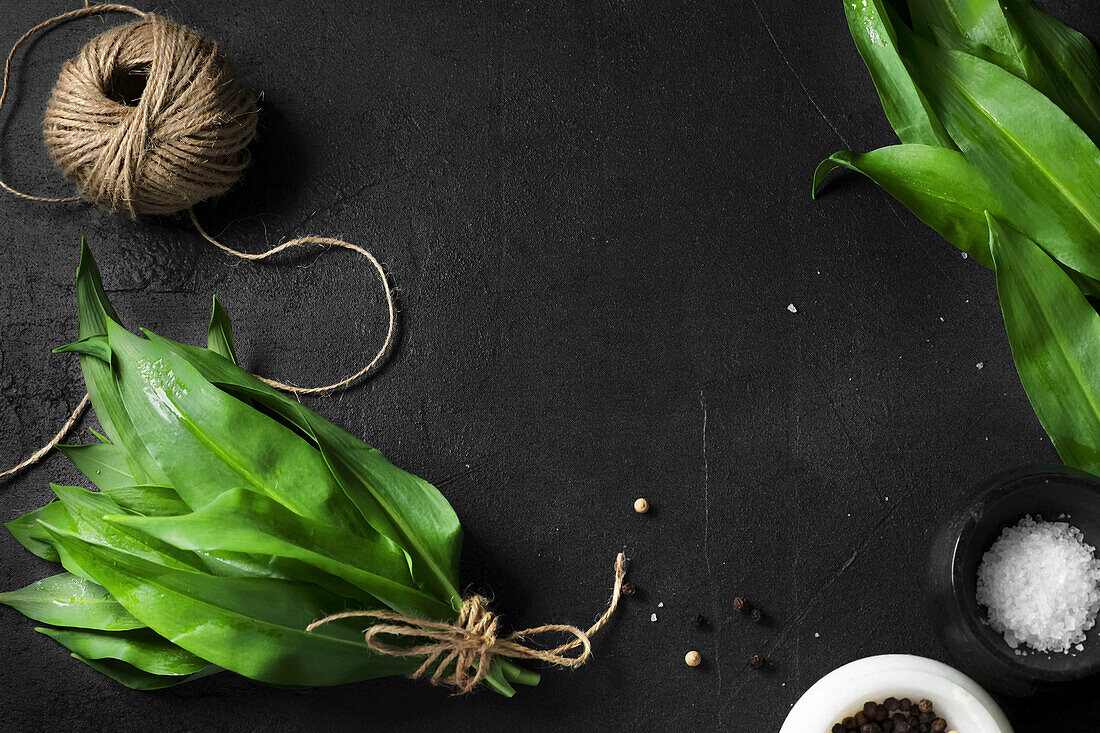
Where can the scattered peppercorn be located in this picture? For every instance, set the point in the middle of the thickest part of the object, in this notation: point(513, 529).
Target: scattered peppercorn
point(740, 604)
point(758, 615)
point(628, 589)
point(693, 658)
point(698, 621)
point(756, 661)
point(641, 506)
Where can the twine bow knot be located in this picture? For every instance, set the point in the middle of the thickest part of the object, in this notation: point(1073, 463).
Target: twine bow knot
point(460, 653)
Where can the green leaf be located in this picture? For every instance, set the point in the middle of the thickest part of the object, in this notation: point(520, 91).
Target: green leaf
point(219, 337)
point(104, 464)
point(95, 312)
point(207, 441)
point(88, 508)
point(1056, 60)
point(909, 113)
point(29, 533)
point(936, 184)
point(244, 521)
point(141, 648)
point(253, 626)
point(1038, 163)
point(69, 600)
point(406, 509)
point(135, 679)
point(148, 501)
point(1055, 339)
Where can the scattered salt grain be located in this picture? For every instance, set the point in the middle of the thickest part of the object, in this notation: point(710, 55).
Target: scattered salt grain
point(980, 364)
point(653, 617)
point(1040, 585)
point(792, 309)
point(661, 604)
point(965, 255)
point(817, 635)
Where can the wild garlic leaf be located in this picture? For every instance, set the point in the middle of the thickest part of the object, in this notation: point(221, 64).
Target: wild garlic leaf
point(875, 34)
point(207, 441)
point(103, 464)
point(136, 679)
point(1055, 337)
point(245, 521)
point(141, 648)
point(29, 533)
point(148, 501)
point(1053, 58)
point(69, 600)
point(1038, 163)
point(406, 509)
point(936, 184)
point(254, 626)
point(95, 311)
point(219, 337)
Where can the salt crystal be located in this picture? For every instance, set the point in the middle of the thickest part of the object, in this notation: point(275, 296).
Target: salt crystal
point(964, 255)
point(979, 365)
point(792, 309)
point(661, 604)
point(1040, 585)
point(817, 635)
point(653, 617)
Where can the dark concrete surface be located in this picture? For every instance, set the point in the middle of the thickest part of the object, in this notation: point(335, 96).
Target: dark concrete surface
point(597, 214)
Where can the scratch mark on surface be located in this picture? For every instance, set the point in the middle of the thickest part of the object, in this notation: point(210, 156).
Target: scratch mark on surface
point(706, 547)
point(798, 78)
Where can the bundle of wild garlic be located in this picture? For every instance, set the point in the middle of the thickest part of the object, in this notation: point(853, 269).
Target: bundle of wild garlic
point(228, 517)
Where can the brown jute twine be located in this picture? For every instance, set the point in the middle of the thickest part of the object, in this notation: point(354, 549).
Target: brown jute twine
point(459, 654)
point(181, 140)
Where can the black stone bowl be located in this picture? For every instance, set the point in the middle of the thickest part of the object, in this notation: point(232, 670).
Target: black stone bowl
point(1048, 492)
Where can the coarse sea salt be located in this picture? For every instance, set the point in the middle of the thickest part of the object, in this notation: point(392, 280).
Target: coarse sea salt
point(1040, 585)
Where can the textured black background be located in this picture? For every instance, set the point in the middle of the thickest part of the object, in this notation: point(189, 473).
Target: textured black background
point(597, 214)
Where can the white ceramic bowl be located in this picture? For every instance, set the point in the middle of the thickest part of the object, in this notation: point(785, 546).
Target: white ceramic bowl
point(966, 706)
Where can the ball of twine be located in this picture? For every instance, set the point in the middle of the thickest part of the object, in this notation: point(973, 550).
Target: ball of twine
point(150, 119)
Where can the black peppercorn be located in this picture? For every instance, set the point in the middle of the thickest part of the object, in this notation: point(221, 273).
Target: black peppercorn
point(740, 604)
point(628, 589)
point(698, 621)
point(869, 709)
point(862, 719)
point(757, 615)
point(870, 728)
point(849, 723)
point(756, 661)
point(901, 727)
point(880, 713)
point(891, 703)
point(904, 704)
point(939, 724)
point(924, 705)
point(839, 728)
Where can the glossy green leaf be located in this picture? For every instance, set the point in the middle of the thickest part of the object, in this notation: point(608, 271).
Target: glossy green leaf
point(936, 184)
point(1038, 163)
point(875, 36)
point(95, 312)
point(1056, 60)
point(244, 521)
point(148, 501)
point(141, 648)
point(207, 441)
point(254, 626)
point(219, 337)
point(406, 509)
point(136, 679)
point(29, 533)
point(1055, 339)
point(104, 464)
point(69, 600)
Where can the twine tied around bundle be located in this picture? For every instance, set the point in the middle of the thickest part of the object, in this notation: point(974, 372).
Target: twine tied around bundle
point(149, 118)
point(460, 653)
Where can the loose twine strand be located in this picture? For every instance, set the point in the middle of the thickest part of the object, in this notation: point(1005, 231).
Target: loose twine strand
point(470, 642)
point(327, 242)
